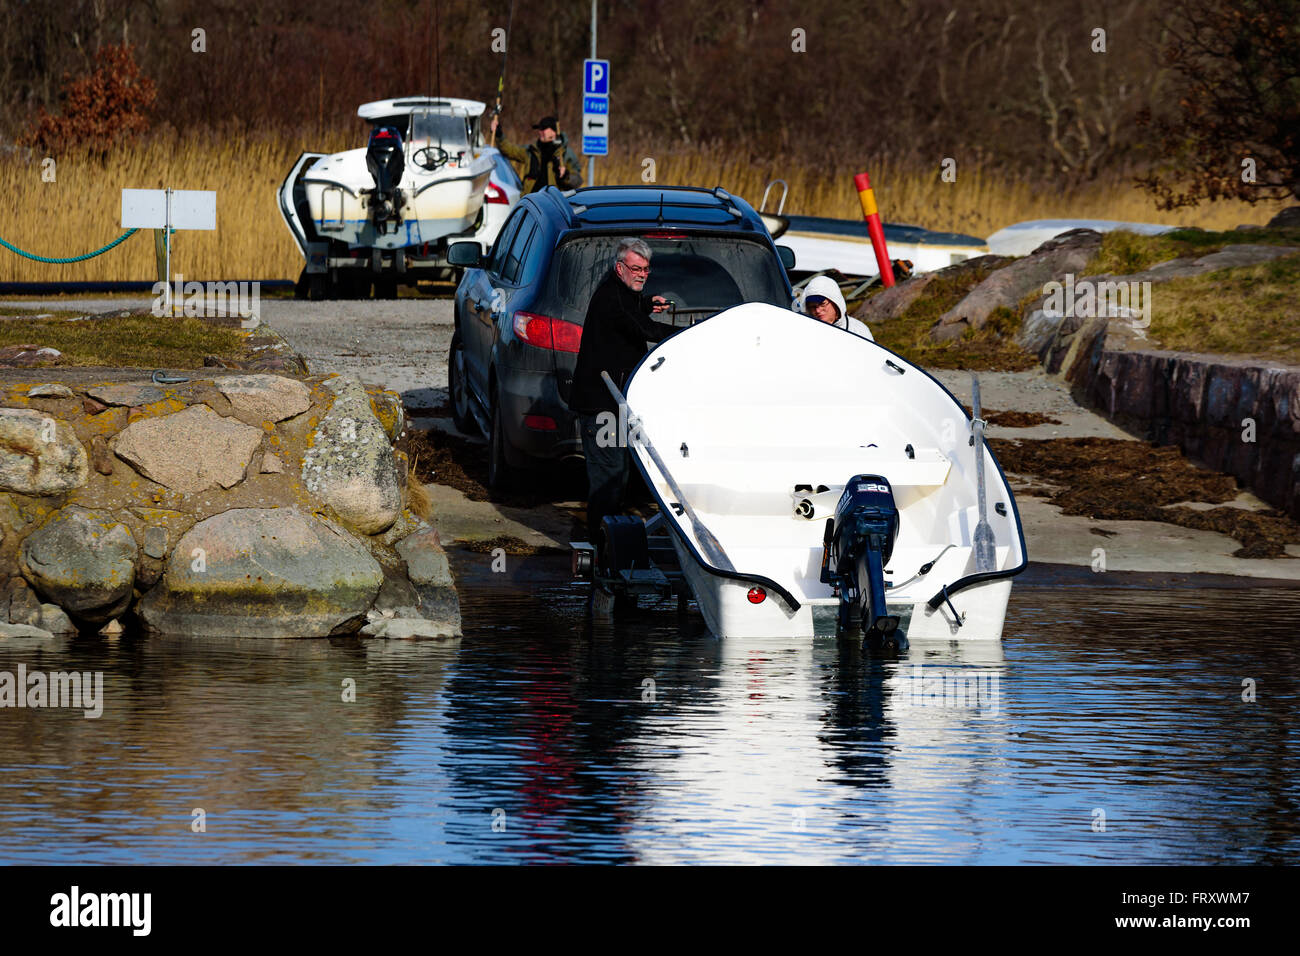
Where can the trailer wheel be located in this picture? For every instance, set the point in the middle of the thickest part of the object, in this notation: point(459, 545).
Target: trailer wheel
point(318, 287)
point(385, 288)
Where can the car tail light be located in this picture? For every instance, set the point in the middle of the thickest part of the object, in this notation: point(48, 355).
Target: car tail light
point(541, 423)
point(665, 235)
point(544, 332)
point(495, 194)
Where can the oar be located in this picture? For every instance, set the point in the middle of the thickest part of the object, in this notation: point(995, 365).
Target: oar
point(985, 544)
point(703, 535)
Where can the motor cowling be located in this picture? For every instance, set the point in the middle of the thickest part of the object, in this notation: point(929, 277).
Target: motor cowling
point(386, 163)
point(860, 543)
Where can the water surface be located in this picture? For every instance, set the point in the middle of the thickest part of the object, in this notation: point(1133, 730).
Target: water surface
point(1109, 727)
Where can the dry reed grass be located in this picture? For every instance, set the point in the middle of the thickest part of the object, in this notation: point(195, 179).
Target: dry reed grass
point(81, 210)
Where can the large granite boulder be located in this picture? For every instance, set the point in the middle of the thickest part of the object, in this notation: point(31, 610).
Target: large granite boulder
point(83, 561)
point(39, 455)
point(429, 571)
point(1069, 252)
point(893, 302)
point(263, 572)
point(350, 465)
point(265, 398)
point(189, 451)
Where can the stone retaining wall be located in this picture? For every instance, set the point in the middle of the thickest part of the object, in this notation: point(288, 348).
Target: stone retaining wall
point(229, 504)
point(1237, 416)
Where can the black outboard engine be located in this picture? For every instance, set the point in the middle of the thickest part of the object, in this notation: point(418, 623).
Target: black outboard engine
point(858, 544)
point(386, 163)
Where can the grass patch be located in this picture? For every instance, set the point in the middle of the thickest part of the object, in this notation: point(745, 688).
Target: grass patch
point(13, 311)
point(990, 349)
point(1123, 253)
point(131, 341)
point(1247, 311)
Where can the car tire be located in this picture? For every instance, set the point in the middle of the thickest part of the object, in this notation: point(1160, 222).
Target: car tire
point(502, 476)
point(458, 388)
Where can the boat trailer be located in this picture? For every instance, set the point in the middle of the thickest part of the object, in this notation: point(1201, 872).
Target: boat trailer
point(638, 561)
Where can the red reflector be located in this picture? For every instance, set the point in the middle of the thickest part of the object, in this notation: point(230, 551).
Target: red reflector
point(495, 194)
point(542, 423)
point(757, 595)
point(544, 332)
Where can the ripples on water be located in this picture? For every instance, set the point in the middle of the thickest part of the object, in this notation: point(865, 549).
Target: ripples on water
point(539, 737)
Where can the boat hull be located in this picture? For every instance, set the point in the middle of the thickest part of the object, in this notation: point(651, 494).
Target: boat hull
point(726, 607)
point(748, 428)
point(433, 206)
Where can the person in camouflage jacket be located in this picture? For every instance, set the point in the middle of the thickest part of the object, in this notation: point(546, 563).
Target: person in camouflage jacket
point(547, 162)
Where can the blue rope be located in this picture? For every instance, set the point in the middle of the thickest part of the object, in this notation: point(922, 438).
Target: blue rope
point(89, 255)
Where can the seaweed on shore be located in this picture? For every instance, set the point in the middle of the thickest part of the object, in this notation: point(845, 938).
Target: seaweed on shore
point(1120, 480)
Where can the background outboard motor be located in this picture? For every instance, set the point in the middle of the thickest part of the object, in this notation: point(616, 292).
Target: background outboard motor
point(858, 544)
point(386, 164)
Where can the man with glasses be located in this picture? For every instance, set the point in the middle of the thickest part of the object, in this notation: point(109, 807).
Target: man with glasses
point(614, 337)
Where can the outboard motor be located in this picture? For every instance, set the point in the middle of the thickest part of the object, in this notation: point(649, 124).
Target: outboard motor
point(858, 544)
point(386, 164)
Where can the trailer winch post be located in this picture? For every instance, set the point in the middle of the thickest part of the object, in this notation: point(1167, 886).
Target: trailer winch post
point(867, 197)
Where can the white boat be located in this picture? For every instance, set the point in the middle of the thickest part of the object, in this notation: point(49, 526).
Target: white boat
point(390, 208)
point(1022, 238)
point(821, 244)
point(772, 441)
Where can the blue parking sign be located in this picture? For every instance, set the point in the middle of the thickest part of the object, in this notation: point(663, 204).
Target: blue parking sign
point(595, 75)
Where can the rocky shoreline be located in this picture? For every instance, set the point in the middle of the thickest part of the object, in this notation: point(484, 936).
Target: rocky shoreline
point(230, 503)
point(1236, 415)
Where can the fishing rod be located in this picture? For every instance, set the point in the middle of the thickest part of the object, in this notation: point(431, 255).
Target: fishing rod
point(501, 80)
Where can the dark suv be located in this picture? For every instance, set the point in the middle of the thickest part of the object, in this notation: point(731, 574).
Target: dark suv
point(519, 311)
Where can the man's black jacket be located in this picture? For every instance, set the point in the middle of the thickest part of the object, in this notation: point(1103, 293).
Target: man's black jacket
point(614, 335)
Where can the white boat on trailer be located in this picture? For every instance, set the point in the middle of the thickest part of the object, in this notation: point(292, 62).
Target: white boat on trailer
point(392, 206)
point(815, 482)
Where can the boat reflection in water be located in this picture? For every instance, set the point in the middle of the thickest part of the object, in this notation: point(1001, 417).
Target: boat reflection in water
point(819, 753)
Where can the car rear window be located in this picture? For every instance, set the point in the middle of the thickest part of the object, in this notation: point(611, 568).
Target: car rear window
point(708, 273)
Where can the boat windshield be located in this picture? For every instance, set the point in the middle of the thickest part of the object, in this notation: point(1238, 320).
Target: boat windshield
point(701, 275)
point(451, 131)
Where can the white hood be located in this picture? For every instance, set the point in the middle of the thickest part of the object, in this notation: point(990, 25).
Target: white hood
point(827, 287)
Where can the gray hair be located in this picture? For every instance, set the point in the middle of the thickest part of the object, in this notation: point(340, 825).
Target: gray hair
point(632, 245)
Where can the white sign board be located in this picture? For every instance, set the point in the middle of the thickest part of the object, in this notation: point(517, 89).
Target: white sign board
point(595, 125)
point(147, 209)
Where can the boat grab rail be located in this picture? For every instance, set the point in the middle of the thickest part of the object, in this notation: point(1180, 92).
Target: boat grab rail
point(717, 555)
point(723, 567)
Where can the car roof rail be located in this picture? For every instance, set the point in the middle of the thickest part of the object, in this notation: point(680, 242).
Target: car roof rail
point(729, 201)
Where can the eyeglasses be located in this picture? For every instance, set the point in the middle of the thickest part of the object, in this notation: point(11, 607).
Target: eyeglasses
point(636, 270)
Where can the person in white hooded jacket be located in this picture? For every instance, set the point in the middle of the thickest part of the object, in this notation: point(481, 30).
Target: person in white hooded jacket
point(823, 300)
